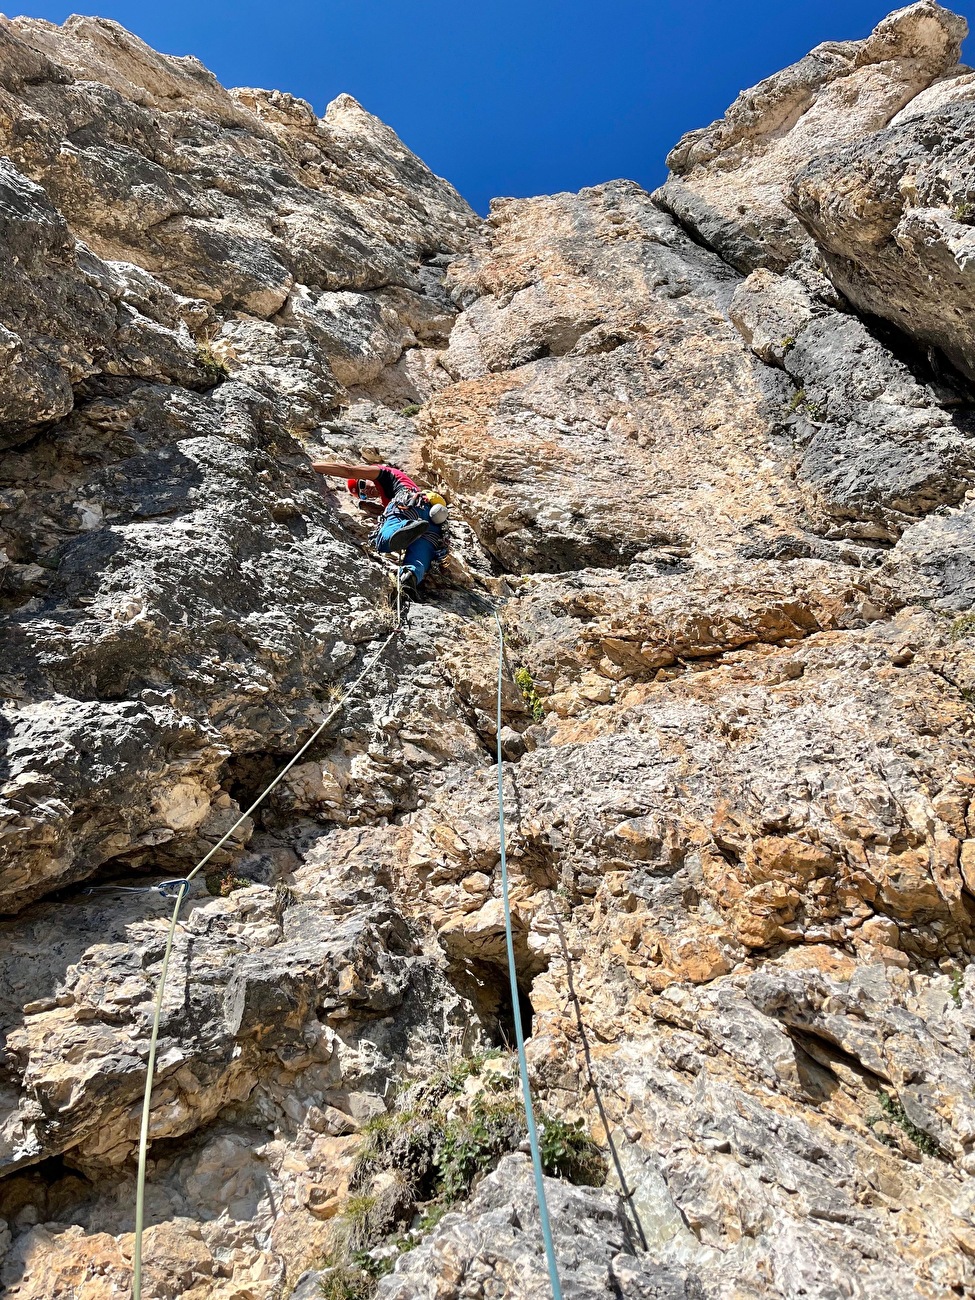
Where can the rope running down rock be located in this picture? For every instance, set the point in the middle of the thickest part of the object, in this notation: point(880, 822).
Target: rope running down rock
point(512, 974)
point(183, 886)
point(553, 1269)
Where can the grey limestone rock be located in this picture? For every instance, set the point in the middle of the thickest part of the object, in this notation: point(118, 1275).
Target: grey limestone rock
point(876, 448)
point(730, 181)
point(725, 525)
point(935, 559)
point(893, 216)
point(495, 1243)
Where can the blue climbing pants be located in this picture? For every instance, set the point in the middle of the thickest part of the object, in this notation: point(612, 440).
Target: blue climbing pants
point(419, 554)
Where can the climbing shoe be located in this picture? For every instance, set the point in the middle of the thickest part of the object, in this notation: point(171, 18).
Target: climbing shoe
point(409, 533)
point(407, 583)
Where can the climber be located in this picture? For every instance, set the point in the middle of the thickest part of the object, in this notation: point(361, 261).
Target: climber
point(409, 519)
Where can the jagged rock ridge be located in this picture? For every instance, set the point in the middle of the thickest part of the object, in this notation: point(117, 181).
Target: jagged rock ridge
point(711, 451)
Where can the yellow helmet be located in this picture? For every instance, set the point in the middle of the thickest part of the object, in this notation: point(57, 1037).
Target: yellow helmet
point(435, 498)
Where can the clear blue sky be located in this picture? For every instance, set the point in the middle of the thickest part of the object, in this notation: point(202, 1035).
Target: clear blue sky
point(507, 97)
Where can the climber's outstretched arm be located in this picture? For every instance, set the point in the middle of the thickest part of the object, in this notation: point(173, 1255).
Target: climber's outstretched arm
point(332, 469)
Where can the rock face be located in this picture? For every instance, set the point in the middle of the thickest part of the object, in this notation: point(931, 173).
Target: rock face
point(710, 453)
point(495, 1245)
point(895, 220)
point(729, 179)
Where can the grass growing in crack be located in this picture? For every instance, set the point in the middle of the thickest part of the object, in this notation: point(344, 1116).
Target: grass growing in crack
point(346, 1282)
point(965, 213)
point(895, 1112)
point(215, 369)
point(452, 1127)
point(400, 1141)
point(526, 684)
point(814, 410)
point(358, 1216)
point(962, 627)
point(569, 1152)
point(411, 410)
point(954, 989)
point(375, 1133)
point(222, 883)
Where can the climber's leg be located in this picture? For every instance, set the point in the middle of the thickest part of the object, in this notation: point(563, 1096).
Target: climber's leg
point(419, 556)
point(397, 533)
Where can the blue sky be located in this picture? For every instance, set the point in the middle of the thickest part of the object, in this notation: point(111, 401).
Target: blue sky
point(507, 97)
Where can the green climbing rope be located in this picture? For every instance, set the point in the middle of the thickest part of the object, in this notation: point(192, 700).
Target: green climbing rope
point(553, 1269)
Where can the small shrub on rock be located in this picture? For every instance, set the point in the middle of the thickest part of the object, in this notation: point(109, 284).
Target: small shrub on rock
point(473, 1144)
point(526, 684)
point(569, 1152)
point(214, 368)
point(452, 1127)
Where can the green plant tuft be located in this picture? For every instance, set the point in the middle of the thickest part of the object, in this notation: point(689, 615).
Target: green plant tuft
point(387, 1139)
point(798, 398)
point(895, 1112)
point(357, 1208)
point(453, 1126)
point(962, 627)
point(964, 212)
point(569, 1152)
point(359, 1220)
point(375, 1268)
point(222, 883)
point(788, 343)
point(954, 990)
point(473, 1145)
point(526, 684)
point(346, 1282)
point(469, 1067)
point(215, 369)
point(411, 410)
point(433, 1216)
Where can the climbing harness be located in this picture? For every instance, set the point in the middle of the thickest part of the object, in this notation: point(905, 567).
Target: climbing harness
point(183, 885)
point(417, 507)
point(553, 1269)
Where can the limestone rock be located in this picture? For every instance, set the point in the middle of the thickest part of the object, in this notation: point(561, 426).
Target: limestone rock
point(593, 450)
point(67, 315)
point(722, 510)
point(894, 218)
point(876, 447)
point(935, 560)
point(167, 478)
point(730, 181)
point(496, 1245)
